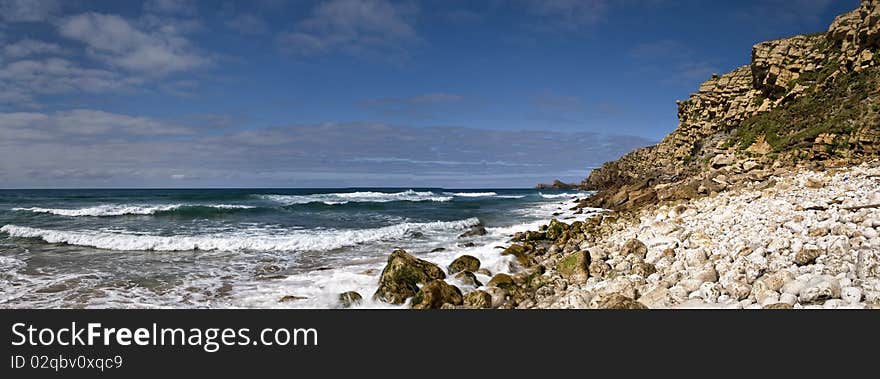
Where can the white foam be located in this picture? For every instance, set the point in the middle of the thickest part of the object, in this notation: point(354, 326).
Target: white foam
point(356, 197)
point(511, 196)
point(108, 210)
point(561, 195)
point(295, 240)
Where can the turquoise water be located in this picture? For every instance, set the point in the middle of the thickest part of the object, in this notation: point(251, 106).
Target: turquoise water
point(236, 247)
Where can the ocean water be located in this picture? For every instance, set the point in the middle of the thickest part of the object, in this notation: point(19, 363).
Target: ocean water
point(243, 248)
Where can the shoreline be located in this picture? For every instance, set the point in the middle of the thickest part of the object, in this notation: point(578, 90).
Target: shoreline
point(801, 240)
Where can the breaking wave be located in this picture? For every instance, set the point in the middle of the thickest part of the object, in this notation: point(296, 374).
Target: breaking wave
point(243, 241)
point(356, 197)
point(122, 210)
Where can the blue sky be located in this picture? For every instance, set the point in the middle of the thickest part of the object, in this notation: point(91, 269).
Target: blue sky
point(177, 93)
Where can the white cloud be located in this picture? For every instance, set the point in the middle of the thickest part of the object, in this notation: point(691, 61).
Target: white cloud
point(28, 10)
point(83, 123)
point(353, 27)
point(118, 42)
point(94, 148)
point(22, 80)
point(28, 47)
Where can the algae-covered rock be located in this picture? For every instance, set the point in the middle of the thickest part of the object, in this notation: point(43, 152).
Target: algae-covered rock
point(402, 275)
point(521, 255)
point(575, 267)
point(501, 281)
point(464, 263)
point(435, 295)
point(478, 300)
point(349, 299)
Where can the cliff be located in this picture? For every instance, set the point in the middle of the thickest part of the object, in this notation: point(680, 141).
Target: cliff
point(808, 100)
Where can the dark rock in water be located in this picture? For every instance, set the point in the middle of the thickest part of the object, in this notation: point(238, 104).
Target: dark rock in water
point(467, 244)
point(502, 281)
point(575, 267)
point(476, 231)
point(416, 235)
point(290, 298)
point(615, 301)
point(522, 257)
point(270, 277)
point(634, 247)
point(439, 249)
point(468, 278)
point(464, 263)
point(435, 295)
point(483, 271)
point(349, 299)
point(478, 300)
point(402, 275)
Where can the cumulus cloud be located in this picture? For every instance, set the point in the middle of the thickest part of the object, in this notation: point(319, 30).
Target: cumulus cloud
point(120, 43)
point(354, 27)
point(28, 10)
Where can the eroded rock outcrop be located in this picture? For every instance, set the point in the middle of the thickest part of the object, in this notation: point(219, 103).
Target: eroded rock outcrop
point(800, 75)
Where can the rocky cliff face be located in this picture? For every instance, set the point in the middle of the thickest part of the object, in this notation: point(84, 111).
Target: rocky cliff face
point(808, 98)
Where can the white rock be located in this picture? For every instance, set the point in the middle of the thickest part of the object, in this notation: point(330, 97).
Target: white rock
point(695, 258)
point(852, 295)
point(788, 298)
point(820, 288)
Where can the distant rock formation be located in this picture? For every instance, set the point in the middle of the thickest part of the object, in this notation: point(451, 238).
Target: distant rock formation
point(807, 99)
point(558, 185)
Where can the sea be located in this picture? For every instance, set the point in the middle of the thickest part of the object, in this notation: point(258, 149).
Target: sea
point(246, 248)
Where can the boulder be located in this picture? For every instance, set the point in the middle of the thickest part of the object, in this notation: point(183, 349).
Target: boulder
point(402, 276)
point(779, 306)
point(634, 247)
point(502, 281)
point(435, 295)
point(520, 253)
point(468, 278)
point(615, 301)
point(575, 267)
point(475, 231)
point(478, 300)
point(349, 299)
point(807, 257)
point(599, 269)
point(464, 263)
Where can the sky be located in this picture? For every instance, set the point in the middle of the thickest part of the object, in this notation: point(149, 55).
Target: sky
point(357, 93)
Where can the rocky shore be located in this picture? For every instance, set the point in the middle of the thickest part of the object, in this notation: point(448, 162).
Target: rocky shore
point(766, 196)
point(801, 240)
